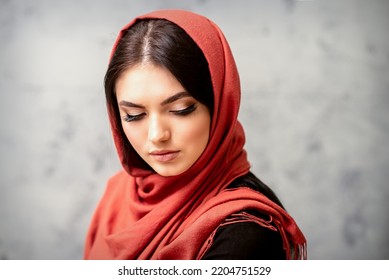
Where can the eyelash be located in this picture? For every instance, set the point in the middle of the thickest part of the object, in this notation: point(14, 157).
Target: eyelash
point(183, 112)
point(131, 118)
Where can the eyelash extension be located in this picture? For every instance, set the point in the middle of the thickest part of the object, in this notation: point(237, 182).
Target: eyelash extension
point(131, 118)
point(185, 111)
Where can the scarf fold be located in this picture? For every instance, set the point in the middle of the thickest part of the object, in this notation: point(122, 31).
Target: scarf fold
point(143, 215)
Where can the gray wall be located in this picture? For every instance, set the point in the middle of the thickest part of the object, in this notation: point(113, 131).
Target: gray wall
point(314, 74)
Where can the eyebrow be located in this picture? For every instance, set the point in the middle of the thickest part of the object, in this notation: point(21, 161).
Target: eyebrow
point(168, 100)
point(175, 97)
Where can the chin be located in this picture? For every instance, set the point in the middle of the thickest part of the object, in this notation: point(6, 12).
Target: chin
point(169, 172)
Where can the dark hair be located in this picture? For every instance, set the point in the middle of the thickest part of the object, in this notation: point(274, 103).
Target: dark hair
point(164, 44)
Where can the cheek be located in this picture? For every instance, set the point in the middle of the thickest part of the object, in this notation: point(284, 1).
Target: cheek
point(196, 132)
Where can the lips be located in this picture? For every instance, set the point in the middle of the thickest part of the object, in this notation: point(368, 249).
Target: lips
point(164, 155)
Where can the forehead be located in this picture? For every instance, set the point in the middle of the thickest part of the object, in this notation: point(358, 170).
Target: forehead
point(146, 81)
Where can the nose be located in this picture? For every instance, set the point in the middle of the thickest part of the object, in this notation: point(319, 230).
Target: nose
point(158, 130)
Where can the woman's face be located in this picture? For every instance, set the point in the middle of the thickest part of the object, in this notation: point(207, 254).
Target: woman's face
point(165, 125)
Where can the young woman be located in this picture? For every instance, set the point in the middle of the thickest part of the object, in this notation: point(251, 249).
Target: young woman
point(186, 190)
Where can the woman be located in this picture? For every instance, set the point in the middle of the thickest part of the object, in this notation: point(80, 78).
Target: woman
point(186, 190)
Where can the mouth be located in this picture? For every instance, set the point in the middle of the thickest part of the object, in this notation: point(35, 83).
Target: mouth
point(164, 155)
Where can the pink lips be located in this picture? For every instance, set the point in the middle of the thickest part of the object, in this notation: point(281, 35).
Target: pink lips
point(164, 156)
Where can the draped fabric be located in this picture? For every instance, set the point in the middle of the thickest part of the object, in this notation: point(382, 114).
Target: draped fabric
point(143, 215)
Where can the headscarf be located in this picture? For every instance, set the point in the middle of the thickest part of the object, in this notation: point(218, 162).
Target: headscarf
point(144, 215)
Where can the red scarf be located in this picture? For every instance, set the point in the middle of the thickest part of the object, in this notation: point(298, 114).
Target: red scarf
point(143, 215)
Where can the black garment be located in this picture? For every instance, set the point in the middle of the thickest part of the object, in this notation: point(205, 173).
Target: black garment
point(247, 240)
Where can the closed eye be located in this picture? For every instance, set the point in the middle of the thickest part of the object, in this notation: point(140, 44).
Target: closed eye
point(185, 111)
point(131, 118)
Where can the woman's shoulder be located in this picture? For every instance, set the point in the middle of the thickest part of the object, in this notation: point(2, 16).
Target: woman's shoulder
point(246, 240)
point(117, 177)
point(248, 234)
point(120, 178)
point(116, 186)
point(252, 182)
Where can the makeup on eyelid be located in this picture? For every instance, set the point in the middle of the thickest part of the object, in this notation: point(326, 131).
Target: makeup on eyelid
point(135, 116)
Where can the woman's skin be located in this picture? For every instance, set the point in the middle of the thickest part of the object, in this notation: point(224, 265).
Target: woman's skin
point(165, 125)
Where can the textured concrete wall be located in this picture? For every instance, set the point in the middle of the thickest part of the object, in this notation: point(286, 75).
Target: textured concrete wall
point(315, 79)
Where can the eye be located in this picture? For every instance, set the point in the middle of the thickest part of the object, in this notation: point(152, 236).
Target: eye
point(131, 118)
point(185, 111)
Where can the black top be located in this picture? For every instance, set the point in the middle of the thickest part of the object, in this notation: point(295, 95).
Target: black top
point(247, 240)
